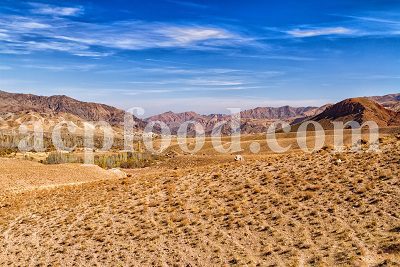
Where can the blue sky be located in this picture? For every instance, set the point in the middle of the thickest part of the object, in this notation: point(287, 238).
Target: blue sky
point(204, 56)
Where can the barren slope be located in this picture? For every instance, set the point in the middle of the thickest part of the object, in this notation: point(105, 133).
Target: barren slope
point(391, 101)
point(17, 103)
point(285, 210)
point(359, 110)
point(22, 175)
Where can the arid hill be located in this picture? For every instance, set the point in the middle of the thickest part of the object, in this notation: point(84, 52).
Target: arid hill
point(391, 101)
point(257, 120)
point(359, 110)
point(396, 107)
point(280, 113)
point(175, 117)
point(253, 120)
point(291, 209)
point(55, 105)
point(269, 113)
point(56, 108)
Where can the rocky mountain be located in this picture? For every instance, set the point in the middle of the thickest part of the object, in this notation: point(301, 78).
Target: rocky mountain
point(391, 101)
point(386, 98)
point(270, 113)
point(359, 110)
point(171, 117)
point(175, 120)
point(381, 109)
point(58, 105)
point(252, 121)
point(396, 107)
point(53, 109)
point(280, 113)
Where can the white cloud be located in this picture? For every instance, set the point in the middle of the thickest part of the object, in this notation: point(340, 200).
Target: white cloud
point(375, 19)
point(137, 35)
point(301, 33)
point(55, 45)
point(31, 25)
point(44, 9)
point(187, 35)
point(4, 36)
point(62, 67)
point(91, 54)
point(206, 82)
point(12, 26)
point(13, 52)
point(97, 40)
point(201, 82)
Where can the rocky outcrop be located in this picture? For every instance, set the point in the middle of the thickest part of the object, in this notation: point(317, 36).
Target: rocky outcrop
point(17, 103)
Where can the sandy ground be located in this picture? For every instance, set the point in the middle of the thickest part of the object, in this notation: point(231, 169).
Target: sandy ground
point(273, 210)
point(20, 175)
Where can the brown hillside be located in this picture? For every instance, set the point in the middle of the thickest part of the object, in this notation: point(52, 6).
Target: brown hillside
point(175, 117)
point(253, 120)
point(285, 112)
point(16, 103)
point(359, 110)
point(391, 101)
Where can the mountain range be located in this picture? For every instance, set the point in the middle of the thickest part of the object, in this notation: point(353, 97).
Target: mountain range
point(56, 108)
point(384, 110)
point(252, 120)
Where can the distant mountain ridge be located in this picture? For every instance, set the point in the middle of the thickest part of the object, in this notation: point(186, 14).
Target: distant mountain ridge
point(16, 103)
point(391, 101)
point(271, 113)
point(252, 120)
point(382, 109)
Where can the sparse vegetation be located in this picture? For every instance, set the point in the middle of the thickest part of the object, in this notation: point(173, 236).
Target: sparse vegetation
point(7, 151)
point(284, 210)
point(125, 160)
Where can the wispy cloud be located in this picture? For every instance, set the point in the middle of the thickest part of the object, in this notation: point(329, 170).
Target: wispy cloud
point(45, 9)
point(14, 25)
point(139, 35)
point(187, 35)
point(373, 24)
point(47, 27)
point(207, 82)
point(374, 77)
point(384, 20)
point(201, 82)
point(143, 91)
point(96, 39)
point(63, 67)
point(376, 24)
point(188, 4)
point(312, 32)
point(275, 56)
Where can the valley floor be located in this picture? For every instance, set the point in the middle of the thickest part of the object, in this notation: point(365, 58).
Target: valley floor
point(276, 210)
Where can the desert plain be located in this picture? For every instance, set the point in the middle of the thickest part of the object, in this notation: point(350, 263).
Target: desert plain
point(205, 209)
